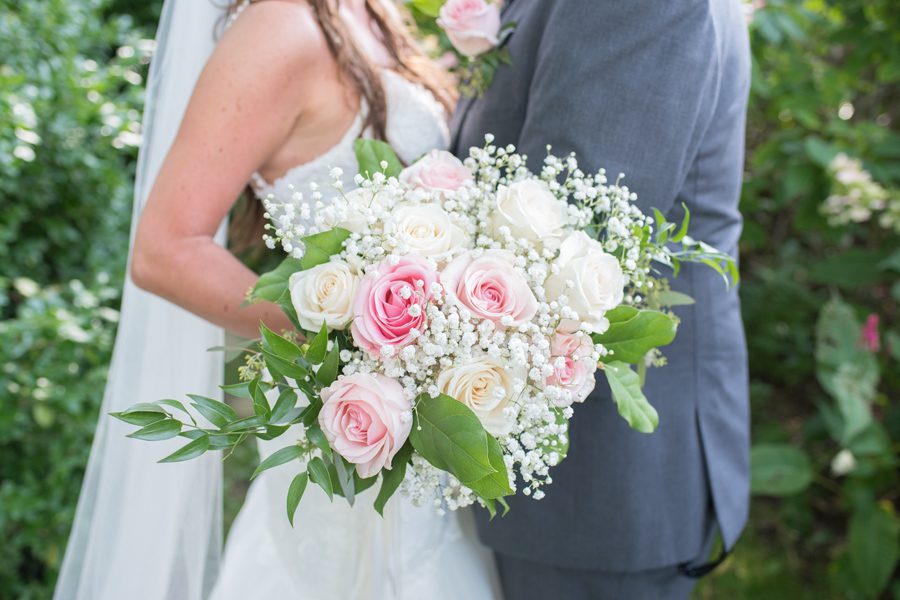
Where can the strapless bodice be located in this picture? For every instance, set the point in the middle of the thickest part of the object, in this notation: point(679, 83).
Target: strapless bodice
point(416, 123)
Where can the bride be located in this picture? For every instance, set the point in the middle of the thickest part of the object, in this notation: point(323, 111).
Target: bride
point(277, 102)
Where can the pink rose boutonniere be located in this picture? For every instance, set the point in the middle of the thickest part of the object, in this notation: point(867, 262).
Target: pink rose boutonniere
point(476, 34)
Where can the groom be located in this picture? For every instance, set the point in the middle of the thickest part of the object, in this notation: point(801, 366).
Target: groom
point(656, 90)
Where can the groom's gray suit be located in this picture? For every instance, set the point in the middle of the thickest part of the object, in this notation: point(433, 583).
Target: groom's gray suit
point(656, 89)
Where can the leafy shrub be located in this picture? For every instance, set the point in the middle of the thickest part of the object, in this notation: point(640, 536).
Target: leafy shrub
point(70, 91)
point(821, 258)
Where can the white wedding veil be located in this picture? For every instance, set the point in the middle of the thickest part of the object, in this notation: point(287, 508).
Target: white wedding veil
point(144, 530)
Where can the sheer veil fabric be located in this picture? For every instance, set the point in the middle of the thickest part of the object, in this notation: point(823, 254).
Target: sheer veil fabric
point(145, 530)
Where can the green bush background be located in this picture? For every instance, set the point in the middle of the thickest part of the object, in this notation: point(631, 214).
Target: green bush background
point(826, 80)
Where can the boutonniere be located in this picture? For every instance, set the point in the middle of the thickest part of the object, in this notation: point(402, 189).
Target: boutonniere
point(476, 35)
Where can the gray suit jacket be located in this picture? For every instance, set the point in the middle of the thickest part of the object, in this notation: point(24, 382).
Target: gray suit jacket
point(656, 89)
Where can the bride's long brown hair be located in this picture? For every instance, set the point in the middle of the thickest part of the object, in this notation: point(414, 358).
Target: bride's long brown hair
point(353, 64)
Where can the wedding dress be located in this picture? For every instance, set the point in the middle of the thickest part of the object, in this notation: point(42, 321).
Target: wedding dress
point(334, 551)
point(149, 531)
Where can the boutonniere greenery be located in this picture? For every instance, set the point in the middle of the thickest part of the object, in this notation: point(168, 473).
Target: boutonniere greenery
point(472, 36)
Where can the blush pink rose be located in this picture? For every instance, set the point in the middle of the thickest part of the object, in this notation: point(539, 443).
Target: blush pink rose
point(366, 419)
point(491, 287)
point(573, 367)
point(471, 25)
point(438, 171)
point(390, 303)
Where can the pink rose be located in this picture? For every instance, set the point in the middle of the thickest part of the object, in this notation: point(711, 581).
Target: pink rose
point(390, 304)
point(491, 287)
point(438, 171)
point(573, 366)
point(471, 25)
point(366, 419)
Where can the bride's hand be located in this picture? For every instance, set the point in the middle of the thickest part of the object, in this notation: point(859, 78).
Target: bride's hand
point(251, 93)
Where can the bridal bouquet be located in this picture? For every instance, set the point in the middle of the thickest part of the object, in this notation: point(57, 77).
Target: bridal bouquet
point(450, 316)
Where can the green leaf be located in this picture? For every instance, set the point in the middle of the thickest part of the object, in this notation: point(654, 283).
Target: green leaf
point(318, 472)
point(295, 493)
point(429, 8)
point(632, 333)
point(318, 346)
point(393, 477)
point(344, 473)
point(217, 413)
point(272, 432)
point(673, 298)
point(779, 470)
point(874, 542)
point(682, 231)
point(311, 412)
point(279, 457)
point(846, 371)
point(279, 345)
point(285, 367)
point(260, 403)
point(329, 369)
point(221, 441)
point(819, 151)
point(192, 449)
point(447, 434)
point(145, 407)
point(320, 247)
point(177, 405)
point(237, 389)
point(160, 430)
point(270, 286)
point(371, 153)
point(630, 400)
point(852, 269)
point(282, 409)
point(315, 435)
point(496, 484)
point(139, 417)
point(362, 484)
point(251, 422)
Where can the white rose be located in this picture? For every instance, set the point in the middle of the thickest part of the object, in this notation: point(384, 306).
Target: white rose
point(486, 386)
point(531, 211)
point(591, 279)
point(324, 293)
point(428, 231)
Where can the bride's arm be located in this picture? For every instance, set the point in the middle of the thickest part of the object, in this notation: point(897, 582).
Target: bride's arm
point(246, 102)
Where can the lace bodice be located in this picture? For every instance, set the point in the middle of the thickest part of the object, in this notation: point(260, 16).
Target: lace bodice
point(416, 123)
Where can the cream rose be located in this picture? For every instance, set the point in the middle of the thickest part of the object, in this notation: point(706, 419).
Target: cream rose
point(486, 386)
point(591, 279)
point(324, 293)
point(531, 211)
point(427, 230)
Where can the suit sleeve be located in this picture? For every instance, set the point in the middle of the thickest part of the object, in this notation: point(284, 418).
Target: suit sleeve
point(629, 85)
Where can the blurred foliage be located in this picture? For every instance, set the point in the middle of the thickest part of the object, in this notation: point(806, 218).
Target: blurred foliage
point(820, 293)
point(71, 77)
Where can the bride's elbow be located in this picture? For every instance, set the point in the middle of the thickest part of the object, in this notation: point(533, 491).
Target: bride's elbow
point(141, 269)
point(147, 267)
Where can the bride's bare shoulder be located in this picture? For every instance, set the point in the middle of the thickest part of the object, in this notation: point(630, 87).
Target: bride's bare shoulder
point(271, 56)
point(283, 31)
